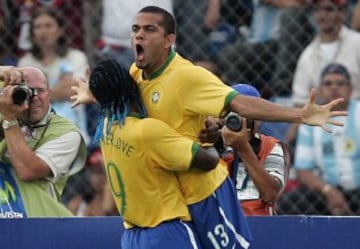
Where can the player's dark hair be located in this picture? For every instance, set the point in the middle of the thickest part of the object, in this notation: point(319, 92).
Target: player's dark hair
point(168, 21)
point(115, 90)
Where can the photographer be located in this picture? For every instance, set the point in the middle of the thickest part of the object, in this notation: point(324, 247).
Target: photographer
point(259, 168)
point(39, 149)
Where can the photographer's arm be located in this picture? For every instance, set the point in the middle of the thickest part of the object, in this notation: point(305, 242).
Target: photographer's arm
point(267, 185)
point(27, 165)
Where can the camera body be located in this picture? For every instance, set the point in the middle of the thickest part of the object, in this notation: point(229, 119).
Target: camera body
point(233, 121)
point(21, 94)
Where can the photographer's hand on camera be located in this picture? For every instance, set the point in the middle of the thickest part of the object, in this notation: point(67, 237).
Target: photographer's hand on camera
point(10, 75)
point(238, 140)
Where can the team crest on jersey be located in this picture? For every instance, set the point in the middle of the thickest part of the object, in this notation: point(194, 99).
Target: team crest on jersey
point(155, 97)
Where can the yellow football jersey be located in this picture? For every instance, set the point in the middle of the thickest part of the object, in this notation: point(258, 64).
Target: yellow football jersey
point(141, 157)
point(183, 95)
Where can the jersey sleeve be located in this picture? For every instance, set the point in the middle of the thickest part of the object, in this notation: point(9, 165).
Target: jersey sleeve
point(166, 147)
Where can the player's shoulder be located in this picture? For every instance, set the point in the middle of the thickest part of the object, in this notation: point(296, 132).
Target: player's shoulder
point(193, 72)
point(154, 126)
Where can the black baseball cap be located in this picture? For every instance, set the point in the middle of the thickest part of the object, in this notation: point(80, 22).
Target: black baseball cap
point(336, 68)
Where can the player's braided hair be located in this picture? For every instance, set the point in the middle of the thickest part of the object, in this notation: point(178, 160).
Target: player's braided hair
point(116, 91)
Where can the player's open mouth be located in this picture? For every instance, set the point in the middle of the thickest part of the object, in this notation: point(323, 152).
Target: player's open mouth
point(139, 52)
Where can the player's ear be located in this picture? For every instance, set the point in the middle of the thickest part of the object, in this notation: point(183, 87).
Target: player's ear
point(170, 40)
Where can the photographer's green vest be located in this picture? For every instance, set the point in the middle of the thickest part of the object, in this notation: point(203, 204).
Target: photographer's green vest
point(40, 198)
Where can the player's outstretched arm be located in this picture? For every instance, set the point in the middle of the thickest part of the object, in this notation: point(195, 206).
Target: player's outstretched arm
point(311, 114)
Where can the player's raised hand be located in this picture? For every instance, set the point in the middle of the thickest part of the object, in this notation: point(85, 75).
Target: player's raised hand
point(81, 93)
point(320, 115)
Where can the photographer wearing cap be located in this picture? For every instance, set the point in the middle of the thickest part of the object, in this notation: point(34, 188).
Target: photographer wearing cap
point(260, 167)
point(39, 149)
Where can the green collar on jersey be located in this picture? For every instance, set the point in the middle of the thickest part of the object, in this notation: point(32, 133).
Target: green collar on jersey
point(135, 115)
point(162, 68)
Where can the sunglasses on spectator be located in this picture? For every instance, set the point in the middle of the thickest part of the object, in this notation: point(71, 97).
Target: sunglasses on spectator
point(328, 8)
point(338, 83)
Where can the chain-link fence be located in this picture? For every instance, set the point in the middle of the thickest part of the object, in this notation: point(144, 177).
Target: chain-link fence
point(240, 42)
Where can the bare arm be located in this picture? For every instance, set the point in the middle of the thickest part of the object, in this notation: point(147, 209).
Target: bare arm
point(310, 113)
point(27, 164)
point(212, 14)
point(261, 109)
point(207, 158)
point(267, 185)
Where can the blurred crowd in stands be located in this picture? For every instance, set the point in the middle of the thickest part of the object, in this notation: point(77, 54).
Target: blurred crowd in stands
point(281, 47)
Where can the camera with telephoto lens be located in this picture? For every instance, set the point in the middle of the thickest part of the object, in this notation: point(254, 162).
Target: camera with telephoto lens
point(21, 94)
point(233, 121)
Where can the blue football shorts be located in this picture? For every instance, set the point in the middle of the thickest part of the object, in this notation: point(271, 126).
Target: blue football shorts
point(175, 234)
point(219, 220)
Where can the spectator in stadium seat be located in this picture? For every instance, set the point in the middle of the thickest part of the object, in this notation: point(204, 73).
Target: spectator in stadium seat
point(327, 165)
point(334, 42)
point(39, 149)
point(50, 52)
